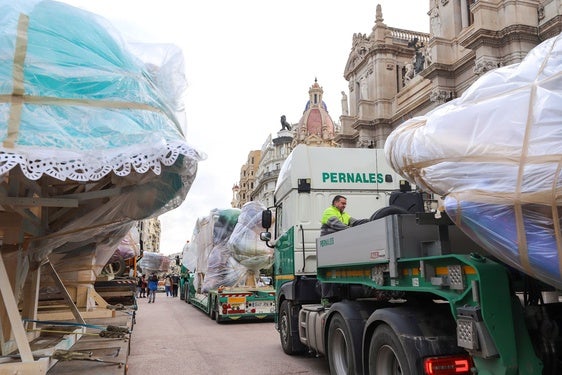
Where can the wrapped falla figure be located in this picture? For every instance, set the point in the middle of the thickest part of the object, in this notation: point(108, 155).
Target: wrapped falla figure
point(494, 154)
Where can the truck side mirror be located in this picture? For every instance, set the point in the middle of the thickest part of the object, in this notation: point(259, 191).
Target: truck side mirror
point(266, 219)
point(266, 237)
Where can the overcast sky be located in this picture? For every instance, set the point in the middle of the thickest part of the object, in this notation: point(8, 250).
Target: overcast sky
point(247, 63)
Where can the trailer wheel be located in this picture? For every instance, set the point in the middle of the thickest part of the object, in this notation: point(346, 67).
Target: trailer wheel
point(182, 293)
point(291, 345)
point(186, 291)
point(386, 354)
point(214, 313)
point(340, 355)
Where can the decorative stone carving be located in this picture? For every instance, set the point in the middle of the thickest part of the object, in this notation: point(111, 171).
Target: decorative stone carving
point(541, 12)
point(364, 142)
point(440, 96)
point(344, 105)
point(364, 89)
point(419, 58)
point(484, 65)
point(435, 19)
point(428, 58)
point(408, 74)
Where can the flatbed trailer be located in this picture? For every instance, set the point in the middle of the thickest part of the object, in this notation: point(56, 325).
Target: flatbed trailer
point(234, 303)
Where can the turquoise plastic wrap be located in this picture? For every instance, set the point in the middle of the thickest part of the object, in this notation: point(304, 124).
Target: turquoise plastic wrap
point(89, 104)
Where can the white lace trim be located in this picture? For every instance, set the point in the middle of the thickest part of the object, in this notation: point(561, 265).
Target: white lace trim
point(77, 166)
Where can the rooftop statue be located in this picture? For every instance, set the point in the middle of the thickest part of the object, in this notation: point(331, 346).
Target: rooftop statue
point(284, 124)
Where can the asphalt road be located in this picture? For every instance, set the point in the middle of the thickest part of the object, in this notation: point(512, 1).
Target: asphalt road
point(172, 337)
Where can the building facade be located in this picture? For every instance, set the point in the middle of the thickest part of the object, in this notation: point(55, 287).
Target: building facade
point(273, 153)
point(149, 234)
point(396, 74)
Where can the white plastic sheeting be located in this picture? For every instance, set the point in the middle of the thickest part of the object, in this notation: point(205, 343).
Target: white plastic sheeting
point(495, 154)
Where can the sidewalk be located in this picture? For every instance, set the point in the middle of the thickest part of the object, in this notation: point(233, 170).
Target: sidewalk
point(158, 330)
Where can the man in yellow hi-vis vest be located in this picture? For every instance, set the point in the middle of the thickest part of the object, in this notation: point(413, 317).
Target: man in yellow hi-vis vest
point(334, 218)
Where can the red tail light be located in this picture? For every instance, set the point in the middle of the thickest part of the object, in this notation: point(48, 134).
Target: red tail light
point(453, 365)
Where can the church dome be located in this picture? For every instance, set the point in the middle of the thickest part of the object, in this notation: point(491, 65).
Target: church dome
point(316, 125)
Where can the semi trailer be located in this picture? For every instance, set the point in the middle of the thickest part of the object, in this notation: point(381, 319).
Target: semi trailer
point(224, 279)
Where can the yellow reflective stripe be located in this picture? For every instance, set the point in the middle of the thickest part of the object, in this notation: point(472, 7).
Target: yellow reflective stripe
point(284, 277)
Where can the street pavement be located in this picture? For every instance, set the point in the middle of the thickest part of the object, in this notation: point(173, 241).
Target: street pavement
point(172, 337)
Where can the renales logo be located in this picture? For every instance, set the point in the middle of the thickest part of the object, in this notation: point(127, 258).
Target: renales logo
point(352, 177)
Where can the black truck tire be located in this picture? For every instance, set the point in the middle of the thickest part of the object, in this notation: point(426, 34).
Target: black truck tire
point(289, 323)
point(386, 354)
point(340, 349)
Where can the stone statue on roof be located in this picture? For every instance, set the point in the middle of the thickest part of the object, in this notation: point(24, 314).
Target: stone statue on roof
point(284, 124)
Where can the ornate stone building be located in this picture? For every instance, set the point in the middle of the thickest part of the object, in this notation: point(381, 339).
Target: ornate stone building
point(235, 196)
point(248, 178)
point(273, 153)
point(396, 74)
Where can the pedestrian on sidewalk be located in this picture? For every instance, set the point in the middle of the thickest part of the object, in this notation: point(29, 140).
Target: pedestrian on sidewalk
point(144, 287)
point(141, 287)
point(168, 285)
point(175, 284)
point(152, 287)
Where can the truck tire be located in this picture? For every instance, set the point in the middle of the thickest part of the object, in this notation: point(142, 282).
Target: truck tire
point(386, 354)
point(339, 350)
point(288, 323)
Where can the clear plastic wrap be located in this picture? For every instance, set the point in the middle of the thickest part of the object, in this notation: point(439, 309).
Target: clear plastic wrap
point(226, 247)
point(129, 246)
point(189, 257)
point(154, 262)
point(495, 153)
point(247, 248)
point(221, 269)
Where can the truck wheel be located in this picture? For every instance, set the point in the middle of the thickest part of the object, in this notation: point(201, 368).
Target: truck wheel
point(340, 355)
point(291, 345)
point(386, 354)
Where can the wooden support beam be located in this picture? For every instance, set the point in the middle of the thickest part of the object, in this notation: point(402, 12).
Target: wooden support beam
point(38, 202)
point(13, 314)
point(31, 296)
point(65, 294)
point(99, 299)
